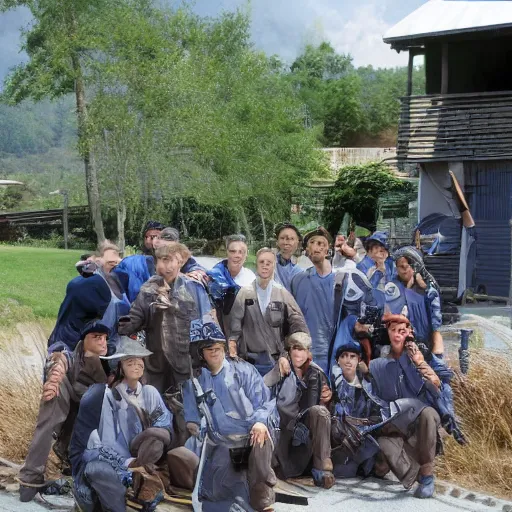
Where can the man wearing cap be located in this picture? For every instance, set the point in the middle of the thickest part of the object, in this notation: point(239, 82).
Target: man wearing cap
point(356, 407)
point(67, 377)
point(235, 403)
point(227, 277)
point(288, 239)
point(406, 374)
point(121, 433)
point(313, 290)
point(303, 418)
point(135, 270)
point(377, 265)
point(151, 231)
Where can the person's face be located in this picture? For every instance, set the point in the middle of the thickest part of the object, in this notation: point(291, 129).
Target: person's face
point(287, 242)
point(348, 362)
point(378, 253)
point(265, 265)
point(96, 343)
point(237, 254)
point(404, 270)
point(150, 236)
point(133, 368)
point(214, 355)
point(397, 336)
point(298, 356)
point(318, 248)
point(110, 260)
point(169, 267)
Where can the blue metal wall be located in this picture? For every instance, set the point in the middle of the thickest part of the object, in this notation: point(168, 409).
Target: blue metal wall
point(488, 187)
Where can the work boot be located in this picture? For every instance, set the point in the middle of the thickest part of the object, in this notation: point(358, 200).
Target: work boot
point(147, 486)
point(426, 487)
point(323, 479)
point(28, 493)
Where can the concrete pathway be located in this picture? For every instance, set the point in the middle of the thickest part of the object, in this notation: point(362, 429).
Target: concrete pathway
point(352, 495)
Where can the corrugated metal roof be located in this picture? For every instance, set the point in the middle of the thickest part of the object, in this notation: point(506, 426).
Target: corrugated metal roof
point(443, 17)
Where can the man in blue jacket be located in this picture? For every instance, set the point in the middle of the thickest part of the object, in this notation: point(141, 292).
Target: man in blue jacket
point(236, 405)
point(409, 449)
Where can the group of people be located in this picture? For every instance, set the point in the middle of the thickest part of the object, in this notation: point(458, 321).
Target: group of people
point(162, 374)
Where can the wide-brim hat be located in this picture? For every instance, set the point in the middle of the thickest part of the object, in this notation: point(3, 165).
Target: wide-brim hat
point(206, 332)
point(94, 326)
point(127, 349)
point(319, 231)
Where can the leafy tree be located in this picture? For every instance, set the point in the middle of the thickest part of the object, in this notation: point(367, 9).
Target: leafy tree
point(356, 192)
point(58, 44)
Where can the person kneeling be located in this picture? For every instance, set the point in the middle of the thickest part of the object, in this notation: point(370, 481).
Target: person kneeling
point(235, 405)
point(305, 422)
point(408, 443)
point(121, 433)
point(357, 412)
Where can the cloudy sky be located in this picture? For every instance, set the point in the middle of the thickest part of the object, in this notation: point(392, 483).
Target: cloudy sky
point(281, 27)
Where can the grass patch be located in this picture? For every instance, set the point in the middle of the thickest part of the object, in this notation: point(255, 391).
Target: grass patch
point(34, 281)
point(483, 401)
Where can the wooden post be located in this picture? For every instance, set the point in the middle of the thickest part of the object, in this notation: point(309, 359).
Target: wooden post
point(65, 224)
point(444, 69)
point(409, 71)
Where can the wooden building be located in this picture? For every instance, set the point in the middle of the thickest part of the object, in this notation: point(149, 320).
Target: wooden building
point(463, 124)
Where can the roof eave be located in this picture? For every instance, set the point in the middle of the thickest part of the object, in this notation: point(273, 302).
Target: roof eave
point(405, 42)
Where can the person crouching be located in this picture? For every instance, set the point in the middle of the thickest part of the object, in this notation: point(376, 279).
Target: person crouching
point(305, 421)
point(121, 433)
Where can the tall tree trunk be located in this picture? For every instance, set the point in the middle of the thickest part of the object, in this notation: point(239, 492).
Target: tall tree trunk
point(91, 178)
point(121, 218)
point(245, 224)
point(263, 227)
point(184, 230)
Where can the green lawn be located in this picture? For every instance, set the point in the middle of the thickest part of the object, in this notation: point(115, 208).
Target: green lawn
point(34, 278)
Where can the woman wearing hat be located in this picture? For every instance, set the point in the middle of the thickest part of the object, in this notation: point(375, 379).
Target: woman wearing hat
point(304, 420)
point(122, 426)
point(288, 239)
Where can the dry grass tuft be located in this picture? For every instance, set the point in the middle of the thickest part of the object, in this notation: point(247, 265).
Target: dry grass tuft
point(483, 401)
point(21, 366)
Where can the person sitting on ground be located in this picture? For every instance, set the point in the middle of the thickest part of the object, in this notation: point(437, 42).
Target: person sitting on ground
point(377, 265)
point(235, 406)
point(227, 277)
point(356, 406)
point(67, 377)
point(418, 299)
point(121, 433)
point(135, 270)
point(262, 316)
point(409, 449)
point(288, 239)
point(164, 309)
point(304, 420)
